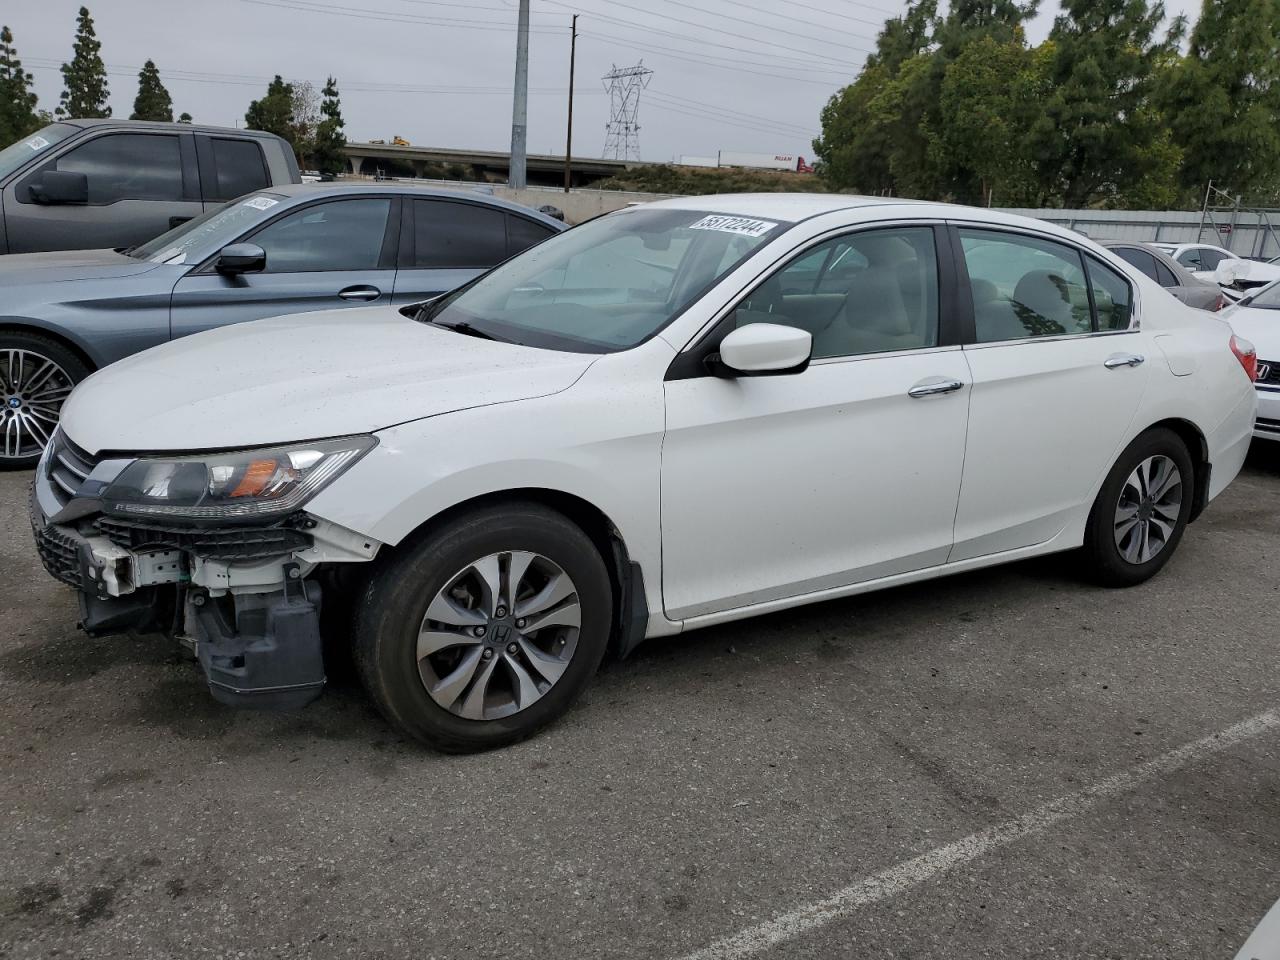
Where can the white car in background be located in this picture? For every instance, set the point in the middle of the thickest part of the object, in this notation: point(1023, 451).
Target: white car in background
point(676, 415)
point(1257, 318)
point(1234, 274)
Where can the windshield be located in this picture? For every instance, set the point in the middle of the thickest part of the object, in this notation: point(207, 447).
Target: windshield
point(209, 232)
point(608, 284)
point(16, 154)
point(1268, 298)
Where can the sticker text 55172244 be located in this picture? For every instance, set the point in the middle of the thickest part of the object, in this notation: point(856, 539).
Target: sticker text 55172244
point(727, 224)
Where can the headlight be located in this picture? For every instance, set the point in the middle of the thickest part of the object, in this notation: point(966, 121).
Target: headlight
point(240, 484)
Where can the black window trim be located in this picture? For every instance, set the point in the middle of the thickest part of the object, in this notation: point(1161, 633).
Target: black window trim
point(22, 186)
point(689, 363)
point(966, 293)
point(390, 238)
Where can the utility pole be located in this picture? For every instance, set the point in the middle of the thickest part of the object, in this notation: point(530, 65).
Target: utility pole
point(520, 106)
point(568, 140)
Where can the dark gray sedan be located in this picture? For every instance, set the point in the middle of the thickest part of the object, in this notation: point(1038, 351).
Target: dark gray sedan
point(285, 250)
point(1167, 272)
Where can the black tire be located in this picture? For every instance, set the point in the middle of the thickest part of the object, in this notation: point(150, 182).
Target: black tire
point(391, 609)
point(40, 347)
point(1104, 562)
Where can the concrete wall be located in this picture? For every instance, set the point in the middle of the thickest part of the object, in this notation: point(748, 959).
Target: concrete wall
point(1248, 234)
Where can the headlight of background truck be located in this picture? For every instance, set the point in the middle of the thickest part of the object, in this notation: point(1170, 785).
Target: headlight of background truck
point(240, 484)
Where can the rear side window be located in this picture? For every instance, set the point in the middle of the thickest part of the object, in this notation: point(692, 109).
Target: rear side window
point(238, 168)
point(128, 166)
point(449, 234)
point(1024, 286)
point(1111, 297)
point(1139, 258)
point(523, 234)
point(1165, 276)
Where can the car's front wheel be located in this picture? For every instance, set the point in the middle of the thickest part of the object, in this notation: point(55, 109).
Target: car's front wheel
point(1141, 511)
point(37, 375)
point(485, 630)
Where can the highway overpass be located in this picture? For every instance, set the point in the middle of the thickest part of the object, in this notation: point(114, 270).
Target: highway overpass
point(485, 165)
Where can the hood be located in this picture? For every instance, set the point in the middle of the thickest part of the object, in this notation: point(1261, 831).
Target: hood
point(1260, 327)
point(29, 268)
point(303, 377)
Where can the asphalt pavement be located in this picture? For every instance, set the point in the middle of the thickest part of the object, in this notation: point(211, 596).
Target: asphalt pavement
point(1009, 763)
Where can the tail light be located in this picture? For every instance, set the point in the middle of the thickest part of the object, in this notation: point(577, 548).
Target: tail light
point(1219, 303)
point(1247, 356)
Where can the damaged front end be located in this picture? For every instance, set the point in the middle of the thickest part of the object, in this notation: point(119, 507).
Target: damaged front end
point(151, 546)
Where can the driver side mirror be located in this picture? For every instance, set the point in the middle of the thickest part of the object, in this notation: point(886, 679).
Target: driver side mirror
point(762, 350)
point(60, 186)
point(237, 258)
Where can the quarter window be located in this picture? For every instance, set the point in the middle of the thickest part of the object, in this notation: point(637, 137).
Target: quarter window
point(339, 235)
point(1165, 276)
point(868, 292)
point(1111, 297)
point(238, 168)
point(1024, 287)
point(458, 234)
point(127, 166)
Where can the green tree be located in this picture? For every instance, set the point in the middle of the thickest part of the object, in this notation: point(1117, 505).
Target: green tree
point(1098, 137)
point(330, 139)
point(274, 112)
point(153, 101)
point(85, 77)
point(1222, 100)
point(18, 115)
point(184, 117)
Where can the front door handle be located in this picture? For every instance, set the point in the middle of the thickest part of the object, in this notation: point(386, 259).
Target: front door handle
point(1123, 360)
point(362, 292)
point(934, 386)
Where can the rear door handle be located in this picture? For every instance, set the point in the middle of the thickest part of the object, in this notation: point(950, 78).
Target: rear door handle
point(363, 292)
point(1122, 360)
point(934, 386)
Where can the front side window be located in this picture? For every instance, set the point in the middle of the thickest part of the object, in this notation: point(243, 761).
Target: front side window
point(238, 168)
point(867, 292)
point(128, 166)
point(1191, 259)
point(337, 235)
point(457, 234)
point(1268, 298)
point(608, 284)
point(1024, 287)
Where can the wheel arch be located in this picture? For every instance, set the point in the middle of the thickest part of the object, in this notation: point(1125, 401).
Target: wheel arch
point(631, 605)
point(9, 324)
point(1198, 447)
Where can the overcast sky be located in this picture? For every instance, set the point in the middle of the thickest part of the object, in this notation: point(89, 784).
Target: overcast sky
point(727, 74)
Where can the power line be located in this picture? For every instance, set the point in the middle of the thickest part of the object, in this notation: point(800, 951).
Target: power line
point(715, 112)
point(783, 16)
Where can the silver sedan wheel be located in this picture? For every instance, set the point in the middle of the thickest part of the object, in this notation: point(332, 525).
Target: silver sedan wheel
point(1148, 510)
point(32, 389)
point(499, 635)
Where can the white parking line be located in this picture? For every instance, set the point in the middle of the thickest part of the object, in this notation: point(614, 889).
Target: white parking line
point(903, 876)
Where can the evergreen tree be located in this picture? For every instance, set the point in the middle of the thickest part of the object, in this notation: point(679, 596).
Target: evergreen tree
point(1098, 135)
point(153, 101)
point(85, 77)
point(274, 112)
point(184, 117)
point(1223, 98)
point(330, 139)
point(18, 115)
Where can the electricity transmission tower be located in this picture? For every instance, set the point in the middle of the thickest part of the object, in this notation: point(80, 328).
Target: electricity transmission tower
point(622, 132)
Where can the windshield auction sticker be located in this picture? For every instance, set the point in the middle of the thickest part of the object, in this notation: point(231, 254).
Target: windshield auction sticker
point(741, 225)
point(261, 203)
point(37, 143)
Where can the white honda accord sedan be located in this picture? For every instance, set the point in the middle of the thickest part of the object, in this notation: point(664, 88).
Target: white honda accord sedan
point(676, 415)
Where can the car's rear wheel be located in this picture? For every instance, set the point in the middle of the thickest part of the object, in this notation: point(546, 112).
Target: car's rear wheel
point(1141, 511)
point(485, 630)
point(37, 375)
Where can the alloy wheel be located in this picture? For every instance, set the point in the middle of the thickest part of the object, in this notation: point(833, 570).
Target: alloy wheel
point(32, 390)
point(1148, 510)
point(498, 635)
